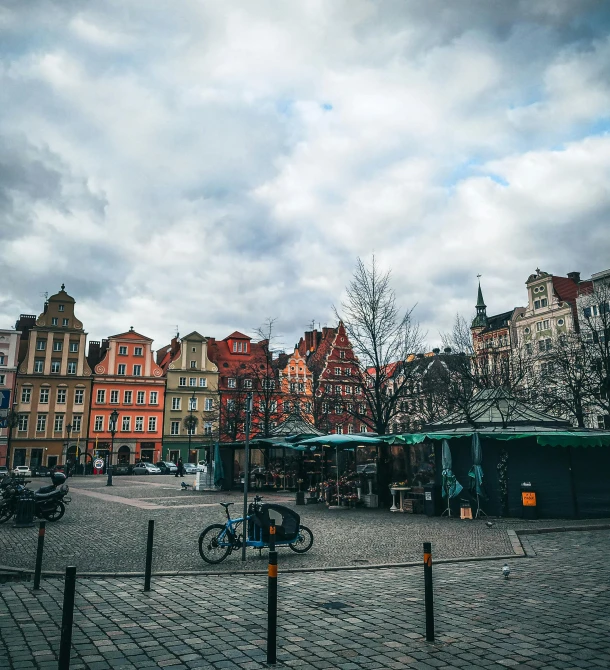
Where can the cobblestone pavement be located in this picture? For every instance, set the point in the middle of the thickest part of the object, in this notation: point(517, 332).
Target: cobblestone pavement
point(553, 612)
point(104, 530)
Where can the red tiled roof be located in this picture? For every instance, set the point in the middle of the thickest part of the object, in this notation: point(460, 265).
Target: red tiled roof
point(568, 290)
point(237, 336)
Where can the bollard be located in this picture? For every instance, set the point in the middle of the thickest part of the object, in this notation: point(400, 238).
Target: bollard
point(272, 600)
point(149, 549)
point(67, 618)
point(428, 590)
point(39, 550)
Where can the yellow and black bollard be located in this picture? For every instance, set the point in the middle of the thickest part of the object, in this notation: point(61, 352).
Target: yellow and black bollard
point(272, 600)
point(428, 592)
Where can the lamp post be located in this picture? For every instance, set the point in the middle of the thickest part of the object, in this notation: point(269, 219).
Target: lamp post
point(190, 421)
point(114, 417)
point(68, 430)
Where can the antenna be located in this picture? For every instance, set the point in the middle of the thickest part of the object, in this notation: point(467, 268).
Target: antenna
point(177, 333)
point(45, 295)
point(479, 276)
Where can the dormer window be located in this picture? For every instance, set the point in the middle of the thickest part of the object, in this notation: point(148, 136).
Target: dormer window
point(235, 347)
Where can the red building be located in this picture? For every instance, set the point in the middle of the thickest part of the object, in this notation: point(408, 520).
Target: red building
point(127, 380)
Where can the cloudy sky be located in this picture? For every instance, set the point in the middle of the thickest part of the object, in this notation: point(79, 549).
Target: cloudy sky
point(208, 164)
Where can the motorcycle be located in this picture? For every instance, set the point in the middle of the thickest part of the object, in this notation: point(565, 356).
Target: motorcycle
point(49, 501)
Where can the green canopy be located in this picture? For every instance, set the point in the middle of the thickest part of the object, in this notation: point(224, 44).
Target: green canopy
point(342, 440)
point(551, 438)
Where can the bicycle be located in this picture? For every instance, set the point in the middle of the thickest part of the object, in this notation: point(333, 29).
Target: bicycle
point(218, 541)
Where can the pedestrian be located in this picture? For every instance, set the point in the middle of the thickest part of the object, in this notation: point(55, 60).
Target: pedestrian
point(180, 470)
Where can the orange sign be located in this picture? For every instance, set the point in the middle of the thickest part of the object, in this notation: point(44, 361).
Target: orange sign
point(528, 498)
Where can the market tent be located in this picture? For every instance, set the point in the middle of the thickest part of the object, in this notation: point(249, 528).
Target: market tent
point(219, 473)
point(451, 486)
point(476, 473)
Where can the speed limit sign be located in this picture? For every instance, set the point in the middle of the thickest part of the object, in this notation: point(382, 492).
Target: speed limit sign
point(98, 464)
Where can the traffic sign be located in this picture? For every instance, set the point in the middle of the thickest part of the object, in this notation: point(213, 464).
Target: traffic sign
point(3, 413)
point(98, 463)
point(5, 399)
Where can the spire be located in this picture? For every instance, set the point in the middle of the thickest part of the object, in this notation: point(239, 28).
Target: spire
point(480, 320)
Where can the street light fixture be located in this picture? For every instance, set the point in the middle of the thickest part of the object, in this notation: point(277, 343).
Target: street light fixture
point(191, 420)
point(114, 417)
point(68, 430)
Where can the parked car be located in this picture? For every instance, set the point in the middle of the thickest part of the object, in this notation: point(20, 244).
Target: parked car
point(41, 471)
point(121, 469)
point(144, 468)
point(190, 468)
point(3, 470)
point(203, 466)
point(167, 467)
point(22, 471)
point(367, 469)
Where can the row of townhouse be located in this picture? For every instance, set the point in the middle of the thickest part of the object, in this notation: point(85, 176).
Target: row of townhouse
point(175, 402)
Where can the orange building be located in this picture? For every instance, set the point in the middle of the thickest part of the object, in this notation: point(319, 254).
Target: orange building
point(127, 380)
point(296, 385)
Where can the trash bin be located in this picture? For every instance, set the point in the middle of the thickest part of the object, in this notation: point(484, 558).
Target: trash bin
point(431, 499)
point(24, 517)
point(528, 501)
point(300, 498)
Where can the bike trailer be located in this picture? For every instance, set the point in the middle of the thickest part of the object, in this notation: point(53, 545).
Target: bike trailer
point(286, 521)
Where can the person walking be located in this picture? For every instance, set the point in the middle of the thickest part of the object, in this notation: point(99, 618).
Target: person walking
point(180, 470)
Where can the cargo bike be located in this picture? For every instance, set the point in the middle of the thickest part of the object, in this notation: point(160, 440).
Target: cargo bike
point(217, 541)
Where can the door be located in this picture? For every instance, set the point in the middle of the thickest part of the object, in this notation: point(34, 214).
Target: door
point(193, 455)
point(174, 456)
point(18, 457)
point(35, 458)
point(51, 461)
point(147, 455)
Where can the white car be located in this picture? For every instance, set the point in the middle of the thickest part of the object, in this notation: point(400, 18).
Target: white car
point(146, 469)
point(22, 471)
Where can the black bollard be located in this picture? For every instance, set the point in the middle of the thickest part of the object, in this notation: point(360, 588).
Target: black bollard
point(272, 600)
point(38, 568)
point(429, 593)
point(149, 549)
point(67, 618)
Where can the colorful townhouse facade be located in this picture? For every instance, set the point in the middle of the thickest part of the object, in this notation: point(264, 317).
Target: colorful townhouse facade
point(191, 424)
point(9, 351)
point(126, 380)
point(53, 387)
point(295, 381)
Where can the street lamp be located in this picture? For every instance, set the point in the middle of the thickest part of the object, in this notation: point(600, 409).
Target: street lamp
point(68, 430)
point(114, 417)
point(191, 421)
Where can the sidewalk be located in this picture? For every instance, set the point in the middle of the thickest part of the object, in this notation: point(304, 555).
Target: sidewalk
point(553, 612)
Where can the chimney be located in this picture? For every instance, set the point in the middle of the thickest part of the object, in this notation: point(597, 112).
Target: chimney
point(574, 276)
point(447, 350)
point(308, 340)
point(93, 357)
point(436, 351)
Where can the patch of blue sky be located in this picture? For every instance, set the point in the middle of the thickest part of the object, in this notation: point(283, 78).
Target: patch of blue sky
point(461, 171)
point(326, 106)
point(498, 179)
point(285, 106)
point(596, 128)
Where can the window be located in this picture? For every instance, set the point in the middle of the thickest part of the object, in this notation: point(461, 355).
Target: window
point(57, 346)
point(348, 390)
point(61, 396)
point(193, 365)
point(350, 429)
point(137, 351)
point(126, 425)
point(308, 407)
point(2, 361)
point(247, 383)
point(137, 370)
point(73, 347)
point(363, 428)
point(114, 397)
point(182, 381)
point(71, 367)
point(38, 365)
point(338, 390)
point(152, 423)
point(542, 325)
point(545, 345)
point(338, 371)
point(139, 424)
point(268, 384)
point(273, 406)
point(231, 383)
point(560, 322)
point(235, 347)
point(122, 350)
point(245, 347)
point(203, 382)
point(543, 302)
point(22, 423)
point(528, 348)
point(347, 372)
point(342, 354)
point(61, 308)
point(207, 428)
point(127, 397)
point(338, 409)
point(287, 407)
point(192, 381)
point(121, 369)
point(339, 430)
point(325, 407)
point(301, 387)
point(174, 428)
point(101, 396)
point(44, 395)
point(153, 397)
point(41, 423)
point(41, 345)
point(55, 367)
point(231, 405)
point(64, 322)
point(293, 387)
point(193, 349)
point(140, 398)
point(26, 395)
point(99, 423)
point(192, 404)
point(79, 396)
point(54, 321)
point(209, 404)
point(176, 403)
point(59, 423)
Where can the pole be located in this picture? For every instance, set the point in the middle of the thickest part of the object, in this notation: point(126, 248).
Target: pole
point(109, 458)
point(337, 447)
point(149, 550)
point(272, 600)
point(39, 550)
point(67, 618)
point(428, 592)
point(246, 473)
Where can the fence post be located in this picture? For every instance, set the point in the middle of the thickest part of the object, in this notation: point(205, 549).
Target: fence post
point(272, 600)
point(39, 550)
point(149, 549)
point(67, 618)
point(428, 592)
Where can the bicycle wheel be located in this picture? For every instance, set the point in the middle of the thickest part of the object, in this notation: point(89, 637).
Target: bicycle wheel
point(214, 544)
point(303, 542)
point(54, 514)
point(6, 512)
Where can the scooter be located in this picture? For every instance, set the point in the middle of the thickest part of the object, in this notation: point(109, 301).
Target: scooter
point(49, 501)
